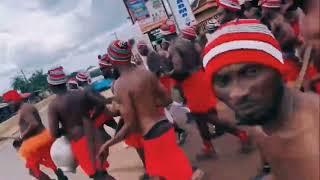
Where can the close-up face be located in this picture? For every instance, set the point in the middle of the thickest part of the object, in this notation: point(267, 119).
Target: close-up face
point(252, 90)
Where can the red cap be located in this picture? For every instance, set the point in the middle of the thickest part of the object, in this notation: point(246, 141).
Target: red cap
point(11, 96)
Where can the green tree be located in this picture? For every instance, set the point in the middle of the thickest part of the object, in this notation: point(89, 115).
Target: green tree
point(37, 81)
point(19, 83)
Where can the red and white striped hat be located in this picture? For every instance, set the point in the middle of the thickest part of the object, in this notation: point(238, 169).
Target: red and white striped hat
point(119, 52)
point(56, 76)
point(271, 3)
point(189, 33)
point(242, 41)
point(82, 76)
point(104, 61)
point(232, 5)
point(72, 81)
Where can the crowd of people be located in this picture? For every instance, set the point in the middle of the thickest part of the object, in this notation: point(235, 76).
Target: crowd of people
point(257, 57)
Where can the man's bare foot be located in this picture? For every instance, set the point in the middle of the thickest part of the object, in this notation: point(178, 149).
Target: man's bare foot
point(198, 174)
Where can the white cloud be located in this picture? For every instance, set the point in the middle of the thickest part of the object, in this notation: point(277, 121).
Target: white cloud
point(36, 34)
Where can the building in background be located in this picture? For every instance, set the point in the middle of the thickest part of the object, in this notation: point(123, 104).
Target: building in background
point(203, 10)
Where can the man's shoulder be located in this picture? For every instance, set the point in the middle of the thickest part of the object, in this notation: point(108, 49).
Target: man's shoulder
point(309, 102)
point(27, 107)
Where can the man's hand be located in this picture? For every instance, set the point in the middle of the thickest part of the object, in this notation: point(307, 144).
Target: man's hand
point(103, 153)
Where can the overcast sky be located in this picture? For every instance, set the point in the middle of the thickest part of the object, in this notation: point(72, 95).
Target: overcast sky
point(39, 34)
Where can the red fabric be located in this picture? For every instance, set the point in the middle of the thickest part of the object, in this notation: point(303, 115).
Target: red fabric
point(80, 149)
point(296, 27)
point(101, 119)
point(135, 140)
point(36, 151)
point(311, 72)
point(167, 82)
point(290, 70)
point(164, 158)
point(198, 92)
point(42, 157)
point(11, 95)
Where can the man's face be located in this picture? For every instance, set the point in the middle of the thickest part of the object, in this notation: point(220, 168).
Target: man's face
point(220, 15)
point(252, 90)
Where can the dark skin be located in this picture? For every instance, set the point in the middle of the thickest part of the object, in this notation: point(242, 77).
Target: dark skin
point(234, 89)
point(70, 109)
point(30, 124)
point(138, 96)
point(258, 96)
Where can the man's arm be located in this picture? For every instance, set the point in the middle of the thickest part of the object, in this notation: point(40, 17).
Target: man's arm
point(127, 111)
point(98, 101)
point(53, 120)
point(31, 120)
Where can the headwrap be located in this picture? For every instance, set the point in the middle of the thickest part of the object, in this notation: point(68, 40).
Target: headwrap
point(271, 3)
point(189, 33)
point(82, 76)
point(242, 41)
point(11, 96)
point(104, 61)
point(119, 52)
point(56, 76)
point(232, 5)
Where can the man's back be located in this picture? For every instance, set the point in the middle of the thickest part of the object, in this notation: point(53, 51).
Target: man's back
point(70, 109)
point(28, 115)
point(141, 86)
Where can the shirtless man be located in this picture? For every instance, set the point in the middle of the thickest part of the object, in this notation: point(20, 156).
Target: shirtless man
point(35, 141)
point(139, 95)
point(193, 85)
point(287, 131)
point(70, 110)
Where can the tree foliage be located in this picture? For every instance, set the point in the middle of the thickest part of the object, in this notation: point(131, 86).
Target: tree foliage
point(37, 81)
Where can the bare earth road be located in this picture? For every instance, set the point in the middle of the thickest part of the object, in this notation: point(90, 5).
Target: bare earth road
point(125, 164)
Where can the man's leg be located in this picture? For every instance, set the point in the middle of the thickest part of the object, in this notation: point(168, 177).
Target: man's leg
point(182, 135)
point(48, 162)
point(208, 150)
point(33, 164)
